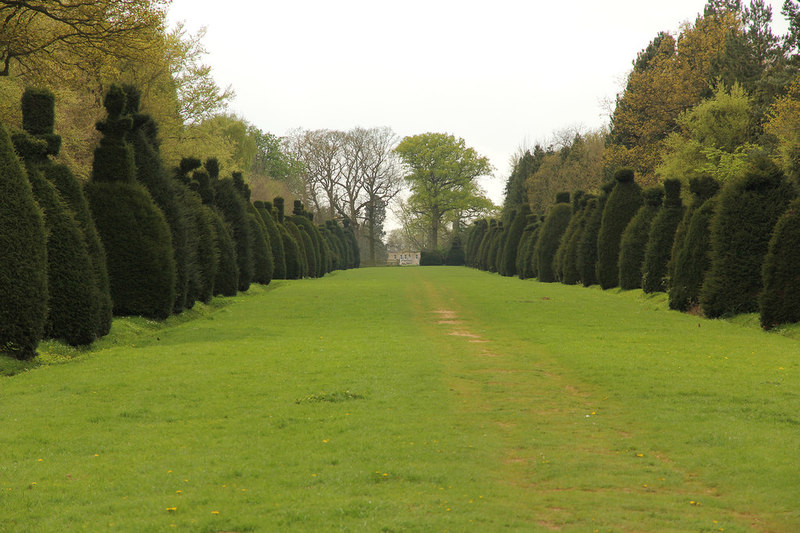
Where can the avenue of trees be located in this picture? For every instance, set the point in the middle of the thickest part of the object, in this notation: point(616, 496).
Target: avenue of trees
point(692, 190)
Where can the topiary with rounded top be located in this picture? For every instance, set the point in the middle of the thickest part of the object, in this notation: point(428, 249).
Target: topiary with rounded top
point(748, 208)
point(569, 244)
point(586, 257)
point(634, 239)
point(475, 235)
point(621, 206)
point(779, 301)
point(660, 239)
point(524, 249)
point(302, 259)
point(515, 230)
point(430, 258)
point(233, 207)
point(701, 189)
point(578, 203)
point(262, 253)
point(275, 241)
point(23, 263)
point(135, 234)
point(455, 254)
point(550, 235)
point(692, 260)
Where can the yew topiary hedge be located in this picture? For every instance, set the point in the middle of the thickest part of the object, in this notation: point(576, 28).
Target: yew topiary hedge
point(779, 301)
point(661, 237)
point(634, 239)
point(552, 230)
point(621, 206)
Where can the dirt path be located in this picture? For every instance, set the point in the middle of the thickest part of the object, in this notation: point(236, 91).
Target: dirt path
point(565, 450)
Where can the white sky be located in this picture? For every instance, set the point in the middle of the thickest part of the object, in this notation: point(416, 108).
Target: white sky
point(498, 73)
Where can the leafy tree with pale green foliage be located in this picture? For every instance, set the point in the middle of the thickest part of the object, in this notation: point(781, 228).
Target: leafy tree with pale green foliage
point(442, 175)
point(23, 263)
point(714, 138)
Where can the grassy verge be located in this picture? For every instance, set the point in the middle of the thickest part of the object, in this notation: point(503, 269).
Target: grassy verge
point(427, 399)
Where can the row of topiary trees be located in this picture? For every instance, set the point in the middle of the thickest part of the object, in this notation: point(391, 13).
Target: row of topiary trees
point(137, 238)
point(732, 249)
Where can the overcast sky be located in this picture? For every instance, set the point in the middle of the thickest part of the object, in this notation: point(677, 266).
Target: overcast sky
point(500, 73)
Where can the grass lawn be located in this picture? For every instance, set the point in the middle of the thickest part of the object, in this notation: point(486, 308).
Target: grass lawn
point(408, 399)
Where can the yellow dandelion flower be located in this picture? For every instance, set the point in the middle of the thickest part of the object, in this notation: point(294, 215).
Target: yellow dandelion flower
point(172, 509)
point(324, 440)
point(178, 492)
point(214, 512)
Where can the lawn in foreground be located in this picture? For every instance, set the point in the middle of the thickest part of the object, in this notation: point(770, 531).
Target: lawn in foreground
point(419, 399)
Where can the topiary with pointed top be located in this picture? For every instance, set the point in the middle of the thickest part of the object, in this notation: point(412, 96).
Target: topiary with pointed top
point(550, 235)
point(23, 263)
point(779, 302)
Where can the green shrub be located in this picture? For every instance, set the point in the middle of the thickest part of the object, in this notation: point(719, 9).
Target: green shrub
point(350, 237)
point(515, 230)
point(550, 235)
point(151, 173)
point(475, 235)
point(496, 247)
point(525, 249)
point(455, 254)
point(23, 263)
point(561, 259)
point(208, 254)
point(779, 302)
point(294, 264)
point(233, 207)
point(634, 239)
point(38, 109)
point(693, 259)
point(275, 241)
point(262, 253)
point(701, 189)
point(135, 234)
point(302, 247)
point(586, 257)
point(621, 206)
point(303, 219)
point(748, 210)
point(226, 281)
point(661, 237)
point(430, 258)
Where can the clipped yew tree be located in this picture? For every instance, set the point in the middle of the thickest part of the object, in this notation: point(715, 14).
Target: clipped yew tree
point(526, 244)
point(262, 253)
point(135, 234)
point(569, 245)
point(73, 296)
point(350, 236)
point(701, 189)
point(586, 257)
point(779, 301)
point(302, 219)
point(430, 258)
point(511, 246)
point(559, 261)
point(455, 254)
point(475, 235)
point(275, 241)
point(748, 209)
point(38, 109)
point(621, 206)
point(634, 239)
point(495, 247)
point(692, 260)
point(553, 229)
point(167, 195)
point(660, 239)
point(23, 262)
point(233, 207)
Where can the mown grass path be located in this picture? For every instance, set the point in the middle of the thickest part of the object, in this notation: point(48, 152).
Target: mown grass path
point(419, 399)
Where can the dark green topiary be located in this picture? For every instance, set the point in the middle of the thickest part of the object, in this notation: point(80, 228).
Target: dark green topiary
point(779, 302)
point(303, 219)
point(151, 173)
point(701, 189)
point(550, 235)
point(511, 246)
point(38, 112)
point(496, 250)
point(430, 258)
point(294, 265)
point(134, 232)
point(692, 260)
point(525, 246)
point(352, 243)
point(621, 206)
point(661, 237)
point(455, 254)
point(208, 253)
point(560, 259)
point(226, 281)
point(634, 239)
point(749, 207)
point(302, 248)
point(233, 207)
point(475, 234)
point(275, 241)
point(23, 262)
point(262, 253)
point(569, 262)
point(587, 245)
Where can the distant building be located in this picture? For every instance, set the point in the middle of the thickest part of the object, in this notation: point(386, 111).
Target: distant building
point(403, 258)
